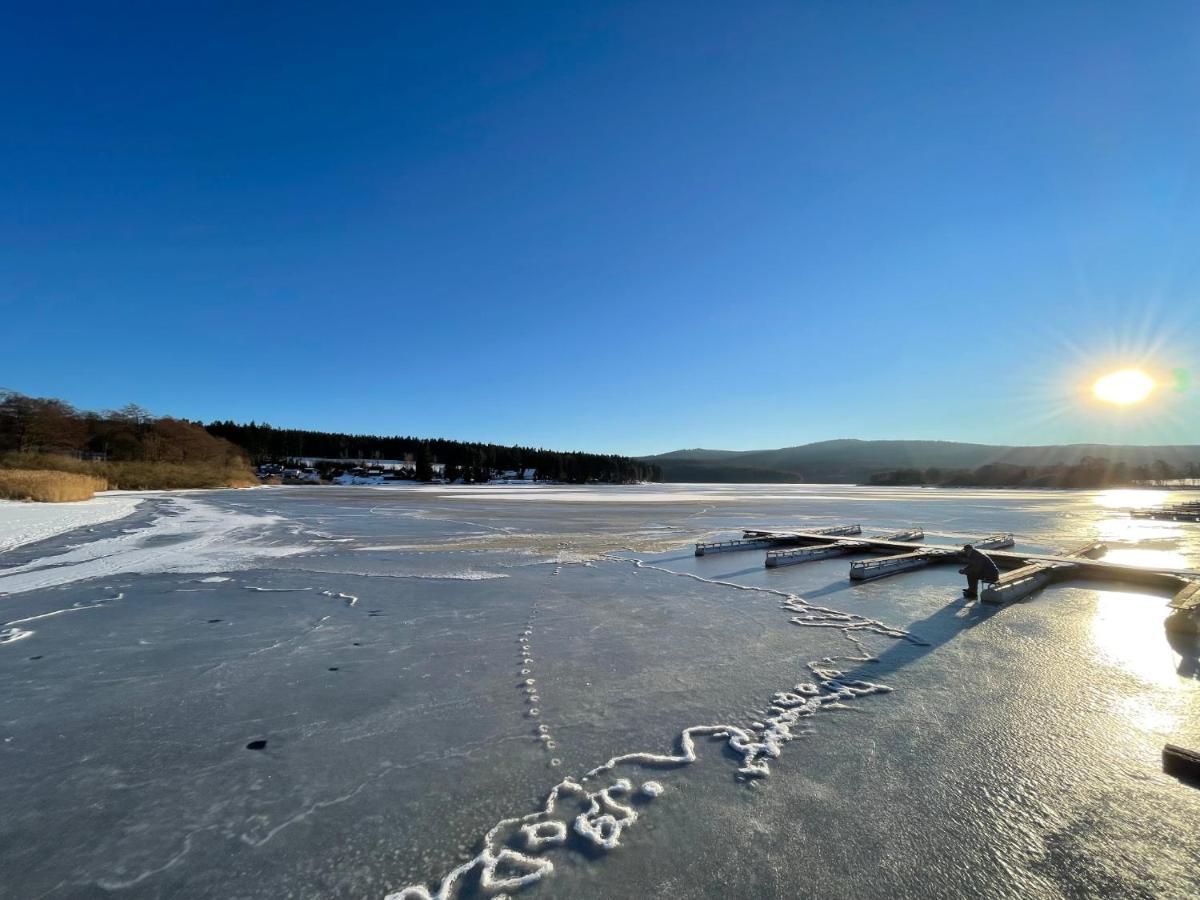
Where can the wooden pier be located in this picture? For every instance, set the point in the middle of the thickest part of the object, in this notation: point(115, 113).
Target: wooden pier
point(837, 548)
point(758, 540)
point(1175, 512)
point(1016, 584)
point(1022, 574)
point(1185, 608)
point(870, 569)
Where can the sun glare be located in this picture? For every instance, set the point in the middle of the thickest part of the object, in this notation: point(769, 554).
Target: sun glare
point(1126, 387)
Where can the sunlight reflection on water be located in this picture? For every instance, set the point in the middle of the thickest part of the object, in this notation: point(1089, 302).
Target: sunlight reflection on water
point(1133, 531)
point(1147, 558)
point(1122, 498)
point(1127, 630)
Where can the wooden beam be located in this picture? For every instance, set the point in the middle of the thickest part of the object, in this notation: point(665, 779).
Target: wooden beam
point(1182, 763)
point(1017, 584)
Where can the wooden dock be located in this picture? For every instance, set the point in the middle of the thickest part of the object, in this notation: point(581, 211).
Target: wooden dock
point(1016, 584)
point(1022, 574)
point(777, 558)
point(758, 540)
point(1184, 512)
point(1185, 608)
point(870, 569)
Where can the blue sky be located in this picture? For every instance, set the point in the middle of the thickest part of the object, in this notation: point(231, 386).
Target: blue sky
point(618, 227)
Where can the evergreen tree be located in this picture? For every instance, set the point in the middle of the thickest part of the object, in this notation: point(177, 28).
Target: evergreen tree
point(424, 471)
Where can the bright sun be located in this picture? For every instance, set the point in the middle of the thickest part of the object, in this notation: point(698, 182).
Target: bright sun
point(1123, 388)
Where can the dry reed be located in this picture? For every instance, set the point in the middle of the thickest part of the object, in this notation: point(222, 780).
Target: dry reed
point(141, 476)
point(47, 486)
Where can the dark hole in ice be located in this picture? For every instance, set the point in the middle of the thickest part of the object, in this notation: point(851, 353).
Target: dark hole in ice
point(213, 621)
point(257, 745)
point(333, 668)
point(357, 644)
point(36, 657)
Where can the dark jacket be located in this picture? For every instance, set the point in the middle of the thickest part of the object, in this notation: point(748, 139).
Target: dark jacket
point(981, 566)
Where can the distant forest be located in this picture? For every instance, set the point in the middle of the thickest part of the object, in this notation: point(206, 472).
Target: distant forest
point(466, 460)
point(1090, 472)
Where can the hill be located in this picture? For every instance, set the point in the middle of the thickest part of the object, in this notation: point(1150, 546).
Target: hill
point(851, 461)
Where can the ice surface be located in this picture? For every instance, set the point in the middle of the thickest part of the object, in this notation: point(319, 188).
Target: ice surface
point(705, 726)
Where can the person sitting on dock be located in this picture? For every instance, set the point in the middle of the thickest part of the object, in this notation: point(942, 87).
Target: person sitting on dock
point(979, 567)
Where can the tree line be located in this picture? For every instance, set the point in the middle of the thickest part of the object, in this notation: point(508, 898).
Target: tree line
point(1090, 472)
point(44, 426)
point(467, 460)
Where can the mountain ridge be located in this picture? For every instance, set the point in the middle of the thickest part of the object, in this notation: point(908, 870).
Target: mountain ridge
point(853, 460)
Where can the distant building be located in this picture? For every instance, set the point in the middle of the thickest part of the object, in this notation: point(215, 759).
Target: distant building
point(386, 465)
point(517, 475)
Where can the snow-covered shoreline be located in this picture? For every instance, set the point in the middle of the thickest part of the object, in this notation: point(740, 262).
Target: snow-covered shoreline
point(27, 523)
point(187, 536)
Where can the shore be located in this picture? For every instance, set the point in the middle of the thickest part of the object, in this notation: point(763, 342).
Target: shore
point(23, 522)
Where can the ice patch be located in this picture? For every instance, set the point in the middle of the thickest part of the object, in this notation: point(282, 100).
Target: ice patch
point(605, 818)
point(456, 576)
point(214, 579)
point(349, 598)
point(652, 789)
point(9, 633)
point(540, 835)
point(469, 575)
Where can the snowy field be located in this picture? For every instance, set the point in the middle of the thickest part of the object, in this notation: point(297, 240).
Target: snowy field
point(541, 692)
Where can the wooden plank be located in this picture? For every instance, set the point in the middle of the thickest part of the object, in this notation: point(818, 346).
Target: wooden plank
point(1022, 573)
point(1088, 551)
point(1181, 763)
point(1188, 597)
point(1017, 584)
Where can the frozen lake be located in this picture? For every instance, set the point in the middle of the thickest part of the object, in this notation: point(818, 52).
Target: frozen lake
point(542, 692)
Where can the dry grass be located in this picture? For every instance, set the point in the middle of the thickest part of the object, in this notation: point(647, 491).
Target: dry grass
point(139, 476)
point(48, 487)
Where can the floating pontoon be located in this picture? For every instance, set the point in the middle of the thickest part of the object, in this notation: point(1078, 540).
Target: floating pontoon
point(837, 548)
point(757, 540)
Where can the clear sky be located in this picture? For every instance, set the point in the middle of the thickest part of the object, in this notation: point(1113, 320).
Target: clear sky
point(619, 227)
